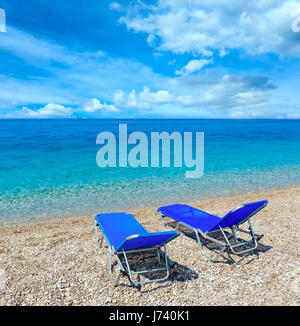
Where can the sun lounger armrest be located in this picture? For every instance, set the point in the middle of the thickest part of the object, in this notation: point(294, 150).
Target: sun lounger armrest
point(136, 241)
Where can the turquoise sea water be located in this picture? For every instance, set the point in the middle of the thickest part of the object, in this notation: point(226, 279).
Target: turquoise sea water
point(48, 167)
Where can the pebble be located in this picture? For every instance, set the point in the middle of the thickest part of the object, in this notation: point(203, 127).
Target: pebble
point(40, 255)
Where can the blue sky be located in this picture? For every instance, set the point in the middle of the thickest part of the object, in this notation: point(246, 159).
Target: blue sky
point(152, 59)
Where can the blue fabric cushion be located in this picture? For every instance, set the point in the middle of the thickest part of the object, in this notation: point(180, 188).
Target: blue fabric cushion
point(191, 216)
point(207, 222)
point(237, 216)
point(118, 226)
point(148, 240)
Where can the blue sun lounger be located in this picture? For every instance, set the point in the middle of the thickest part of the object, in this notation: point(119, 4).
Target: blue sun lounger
point(206, 225)
point(124, 236)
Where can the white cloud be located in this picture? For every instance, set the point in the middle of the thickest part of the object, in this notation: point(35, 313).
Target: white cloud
point(50, 110)
point(159, 97)
point(95, 105)
point(132, 102)
point(117, 80)
point(125, 101)
point(34, 50)
point(67, 76)
point(115, 6)
point(229, 93)
point(233, 96)
point(245, 114)
point(33, 91)
point(293, 115)
point(142, 100)
point(192, 66)
point(196, 27)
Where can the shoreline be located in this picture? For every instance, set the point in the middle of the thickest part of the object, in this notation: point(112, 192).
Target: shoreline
point(38, 220)
point(57, 262)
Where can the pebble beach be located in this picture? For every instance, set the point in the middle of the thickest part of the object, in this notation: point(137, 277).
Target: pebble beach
point(58, 262)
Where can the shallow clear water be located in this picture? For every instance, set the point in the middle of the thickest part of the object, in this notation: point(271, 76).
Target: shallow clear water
point(48, 167)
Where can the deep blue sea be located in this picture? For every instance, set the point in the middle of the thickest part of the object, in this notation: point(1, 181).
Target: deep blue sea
point(48, 167)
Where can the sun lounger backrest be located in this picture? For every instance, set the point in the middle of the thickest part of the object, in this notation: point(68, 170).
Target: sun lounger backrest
point(147, 239)
point(123, 231)
point(118, 226)
point(240, 214)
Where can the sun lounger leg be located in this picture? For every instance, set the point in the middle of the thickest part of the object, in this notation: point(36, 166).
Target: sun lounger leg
point(158, 256)
point(234, 235)
point(198, 234)
point(128, 268)
point(162, 221)
point(167, 261)
point(96, 232)
point(166, 268)
point(236, 239)
point(96, 236)
point(239, 243)
point(116, 281)
point(209, 257)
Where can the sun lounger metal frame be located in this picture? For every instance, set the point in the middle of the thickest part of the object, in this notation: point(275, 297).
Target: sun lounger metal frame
point(121, 257)
point(226, 235)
